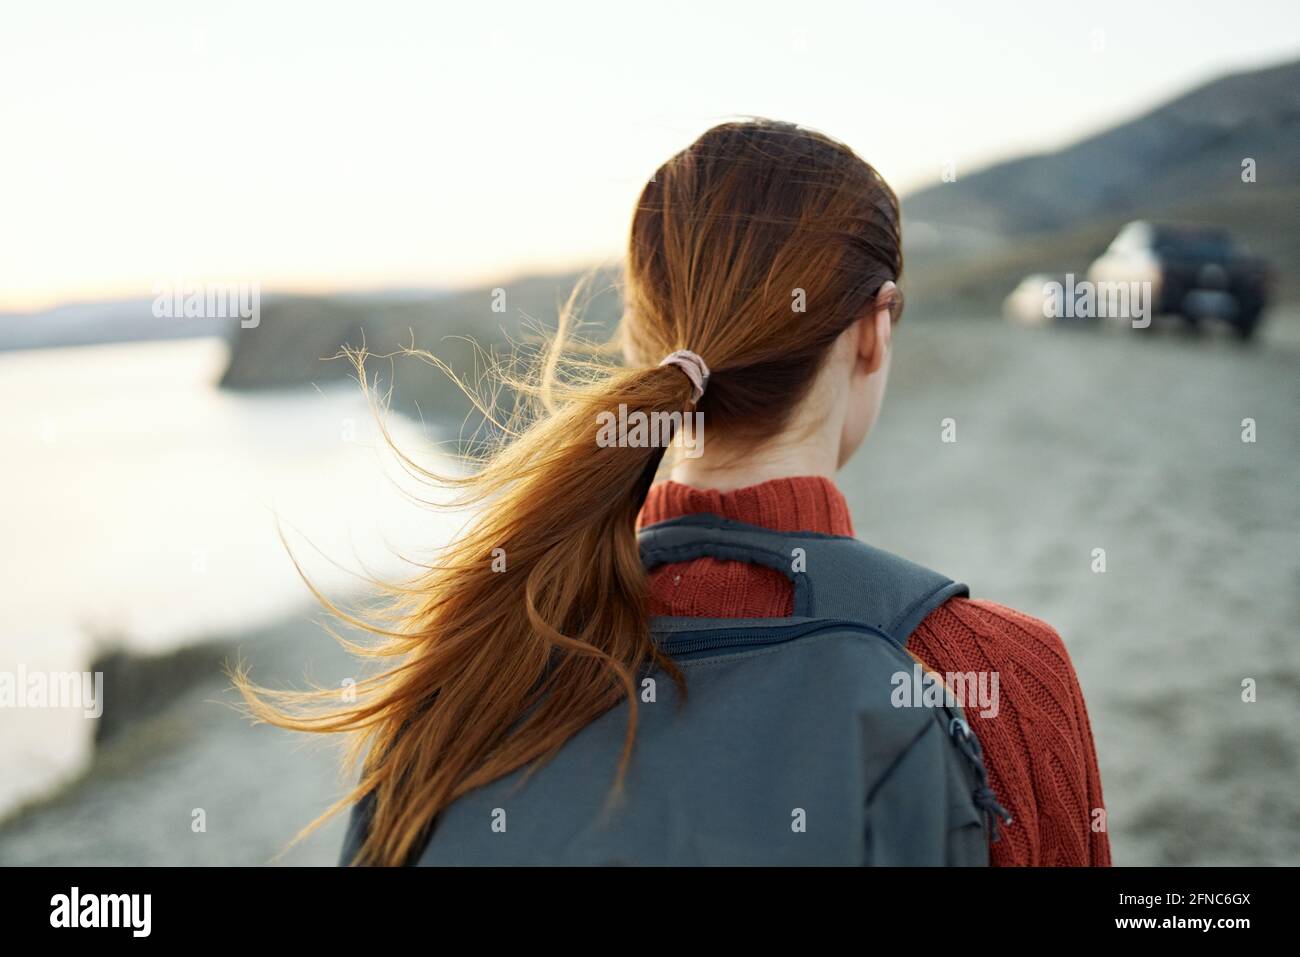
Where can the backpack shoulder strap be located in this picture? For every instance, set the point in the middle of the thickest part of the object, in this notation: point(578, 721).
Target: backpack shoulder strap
point(833, 576)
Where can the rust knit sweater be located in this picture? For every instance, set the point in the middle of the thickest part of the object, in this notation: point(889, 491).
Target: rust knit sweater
point(1039, 751)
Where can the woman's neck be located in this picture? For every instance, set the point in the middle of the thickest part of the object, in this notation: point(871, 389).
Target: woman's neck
point(727, 470)
point(808, 444)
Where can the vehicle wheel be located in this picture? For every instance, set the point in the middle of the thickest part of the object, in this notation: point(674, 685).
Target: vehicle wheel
point(1246, 324)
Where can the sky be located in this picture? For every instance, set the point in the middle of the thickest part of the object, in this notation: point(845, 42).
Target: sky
point(322, 147)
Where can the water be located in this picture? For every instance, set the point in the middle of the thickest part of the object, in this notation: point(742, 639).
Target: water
point(140, 506)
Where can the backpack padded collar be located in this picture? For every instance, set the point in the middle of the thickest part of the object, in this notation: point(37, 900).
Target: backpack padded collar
point(832, 576)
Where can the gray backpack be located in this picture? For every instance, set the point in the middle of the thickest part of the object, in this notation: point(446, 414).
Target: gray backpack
point(787, 748)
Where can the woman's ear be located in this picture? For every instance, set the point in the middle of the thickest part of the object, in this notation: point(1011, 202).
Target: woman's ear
point(876, 330)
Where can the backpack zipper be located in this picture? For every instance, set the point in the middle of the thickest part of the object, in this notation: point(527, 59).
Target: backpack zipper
point(685, 643)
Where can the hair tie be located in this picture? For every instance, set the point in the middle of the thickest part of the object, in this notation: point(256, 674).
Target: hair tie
point(695, 368)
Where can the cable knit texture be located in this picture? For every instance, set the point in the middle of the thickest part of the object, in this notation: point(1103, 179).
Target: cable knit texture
point(1039, 749)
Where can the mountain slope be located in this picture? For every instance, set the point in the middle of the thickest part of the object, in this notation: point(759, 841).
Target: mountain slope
point(1179, 162)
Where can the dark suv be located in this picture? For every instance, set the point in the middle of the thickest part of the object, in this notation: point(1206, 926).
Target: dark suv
point(1197, 273)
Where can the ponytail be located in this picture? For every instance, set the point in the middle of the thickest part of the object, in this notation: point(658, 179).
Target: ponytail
point(531, 624)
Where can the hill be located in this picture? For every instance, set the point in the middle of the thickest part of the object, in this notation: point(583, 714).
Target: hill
point(969, 241)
